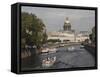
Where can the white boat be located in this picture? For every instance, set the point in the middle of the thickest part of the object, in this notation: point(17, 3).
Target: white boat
point(61, 45)
point(48, 62)
point(52, 50)
point(71, 48)
point(81, 46)
point(44, 50)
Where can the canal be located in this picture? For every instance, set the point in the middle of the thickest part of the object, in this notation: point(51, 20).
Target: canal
point(78, 57)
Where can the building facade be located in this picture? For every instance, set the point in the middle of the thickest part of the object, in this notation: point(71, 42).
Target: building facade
point(68, 35)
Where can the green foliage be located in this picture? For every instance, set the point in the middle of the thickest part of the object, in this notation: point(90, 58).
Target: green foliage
point(54, 40)
point(32, 31)
point(92, 35)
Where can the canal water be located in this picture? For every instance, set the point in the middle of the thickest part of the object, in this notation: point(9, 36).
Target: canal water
point(79, 57)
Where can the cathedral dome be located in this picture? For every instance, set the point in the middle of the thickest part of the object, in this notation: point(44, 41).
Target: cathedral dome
point(67, 25)
point(67, 21)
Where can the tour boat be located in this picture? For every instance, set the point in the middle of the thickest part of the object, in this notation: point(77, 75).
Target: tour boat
point(61, 45)
point(71, 48)
point(52, 50)
point(45, 50)
point(48, 62)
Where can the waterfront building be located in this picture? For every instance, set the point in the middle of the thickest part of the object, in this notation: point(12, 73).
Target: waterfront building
point(67, 34)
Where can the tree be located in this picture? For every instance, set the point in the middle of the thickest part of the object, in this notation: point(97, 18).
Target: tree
point(32, 32)
point(92, 35)
point(44, 37)
point(54, 40)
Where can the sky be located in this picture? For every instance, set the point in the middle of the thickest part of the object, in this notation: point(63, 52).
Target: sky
point(53, 18)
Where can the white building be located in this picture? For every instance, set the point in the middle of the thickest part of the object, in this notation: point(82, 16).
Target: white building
point(67, 34)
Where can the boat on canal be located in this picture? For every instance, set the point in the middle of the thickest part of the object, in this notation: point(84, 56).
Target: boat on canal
point(48, 62)
point(49, 50)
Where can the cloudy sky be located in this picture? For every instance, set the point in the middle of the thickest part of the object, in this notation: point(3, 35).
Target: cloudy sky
point(53, 18)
